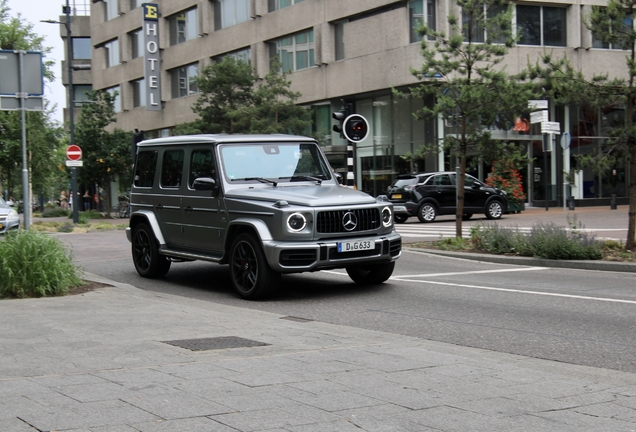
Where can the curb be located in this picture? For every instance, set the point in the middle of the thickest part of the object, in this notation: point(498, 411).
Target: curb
point(534, 262)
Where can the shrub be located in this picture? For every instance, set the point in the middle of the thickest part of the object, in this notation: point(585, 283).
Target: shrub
point(55, 212)
point(544, 241)
point(33, 264)
point(453, 244)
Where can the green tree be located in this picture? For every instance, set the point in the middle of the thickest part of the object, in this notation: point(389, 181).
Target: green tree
point(472, 90)
point(233, 101)
point(106, 155)
point(43, 135)
point(566, 85)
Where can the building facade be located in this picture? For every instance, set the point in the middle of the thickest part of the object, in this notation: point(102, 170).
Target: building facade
point(354, 50)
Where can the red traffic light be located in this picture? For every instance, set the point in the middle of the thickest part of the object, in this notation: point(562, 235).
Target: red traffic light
point(356, 128)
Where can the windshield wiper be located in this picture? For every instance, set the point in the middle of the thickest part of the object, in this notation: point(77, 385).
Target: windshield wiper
point(302, 177)
point(260, 179)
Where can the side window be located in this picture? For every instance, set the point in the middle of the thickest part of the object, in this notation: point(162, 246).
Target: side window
point(172, 168)
point(469, 181)
point(442, 180)
point(146, 165)
point(201, 165)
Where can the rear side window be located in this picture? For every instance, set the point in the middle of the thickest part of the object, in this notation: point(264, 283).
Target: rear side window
point(405, 182)
point(201, 165)
point(146, 166)
point(172, 168)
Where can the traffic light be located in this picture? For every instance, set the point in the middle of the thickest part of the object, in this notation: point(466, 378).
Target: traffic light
point(345, 110)
point(355, 128)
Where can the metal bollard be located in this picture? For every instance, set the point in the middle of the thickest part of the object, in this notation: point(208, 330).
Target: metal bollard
point(570, 203)
point(613, 202)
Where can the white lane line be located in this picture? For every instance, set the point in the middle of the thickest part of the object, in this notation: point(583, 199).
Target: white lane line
point(485, 288)
point(471, 272)
point(570, 296)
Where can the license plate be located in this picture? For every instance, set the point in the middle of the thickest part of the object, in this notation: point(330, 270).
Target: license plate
point(396, 196)
point(353, 246)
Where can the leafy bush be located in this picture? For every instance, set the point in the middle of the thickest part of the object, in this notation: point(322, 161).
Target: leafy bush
point(33, 264)
point(55, 212)
point(453, 244)
point(544, 241)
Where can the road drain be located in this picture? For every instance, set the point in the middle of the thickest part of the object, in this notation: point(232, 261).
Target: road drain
point(224, 342)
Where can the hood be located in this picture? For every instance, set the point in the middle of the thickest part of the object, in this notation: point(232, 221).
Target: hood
point(305, 195)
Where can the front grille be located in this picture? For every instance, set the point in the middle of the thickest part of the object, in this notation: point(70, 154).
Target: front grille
point(297, 257)
point(331, 221)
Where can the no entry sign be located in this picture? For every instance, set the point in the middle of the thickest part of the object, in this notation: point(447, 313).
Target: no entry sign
point(73, 152)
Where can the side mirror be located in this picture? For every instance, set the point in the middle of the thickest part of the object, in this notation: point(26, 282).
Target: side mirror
point(205, 184)
point(339, 177)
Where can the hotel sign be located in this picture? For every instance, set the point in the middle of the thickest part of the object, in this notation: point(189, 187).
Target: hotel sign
point(152, 73)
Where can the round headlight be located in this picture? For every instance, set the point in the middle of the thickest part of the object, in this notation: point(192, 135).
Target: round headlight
point(296, 222)
point(387, 216)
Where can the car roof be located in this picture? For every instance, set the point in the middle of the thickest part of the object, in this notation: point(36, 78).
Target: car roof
point(401, 176)
point(225, 139)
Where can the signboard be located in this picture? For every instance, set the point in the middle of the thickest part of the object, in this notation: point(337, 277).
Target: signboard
point(566, 140)
point(550, 127)
point(74, 163)
point(32, 79)
point(150, 29)
point(73, 152)
point(539, 116)
point(538, 104)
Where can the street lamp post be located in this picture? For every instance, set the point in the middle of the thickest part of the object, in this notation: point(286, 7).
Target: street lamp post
point(69, 56)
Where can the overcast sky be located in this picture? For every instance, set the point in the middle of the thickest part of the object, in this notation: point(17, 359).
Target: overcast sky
point(33, 11)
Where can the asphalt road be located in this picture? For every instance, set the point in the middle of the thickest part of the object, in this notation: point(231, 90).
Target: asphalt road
point(573, 316)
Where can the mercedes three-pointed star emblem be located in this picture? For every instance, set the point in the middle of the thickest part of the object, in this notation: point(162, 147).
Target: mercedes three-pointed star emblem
point(349, 221)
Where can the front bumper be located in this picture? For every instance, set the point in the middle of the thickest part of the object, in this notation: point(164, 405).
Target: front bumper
point(288, 257)
point(407, 208)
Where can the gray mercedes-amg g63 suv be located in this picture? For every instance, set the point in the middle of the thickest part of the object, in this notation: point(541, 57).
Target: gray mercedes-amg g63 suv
point(264, 204)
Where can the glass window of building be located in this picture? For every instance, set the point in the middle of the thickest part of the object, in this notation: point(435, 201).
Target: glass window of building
point(183, 26)
point(139, 93)
point(183, 82)
point(274, 5)
point(541, 25)
point(626, 27)
point(116, 93)
point(110, 9)
point(420, 12)
point(81, 48)
point(339, 40)
point(231, 12)
point(295, 52)
point(474, 31)
point(244, 55)
point(111, 49)
point(134, 4)
point(136, 43)
point(81, 94)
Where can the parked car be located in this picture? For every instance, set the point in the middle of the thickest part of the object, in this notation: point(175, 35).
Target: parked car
point(266, 205)
point(428, 195)
point(9, 218)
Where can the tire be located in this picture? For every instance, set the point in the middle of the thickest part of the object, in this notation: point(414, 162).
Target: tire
point(372, 274)
point(467, 216)
point(145, 252)
point(427, 212)
point(494, 209)
point(400, 218)
point(251, 275)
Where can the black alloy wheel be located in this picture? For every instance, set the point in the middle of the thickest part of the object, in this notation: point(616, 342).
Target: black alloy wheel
point(251, 275)
point(373, 274)
point(145, 252)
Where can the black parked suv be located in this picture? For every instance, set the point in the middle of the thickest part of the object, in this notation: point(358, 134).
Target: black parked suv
point(427, 195)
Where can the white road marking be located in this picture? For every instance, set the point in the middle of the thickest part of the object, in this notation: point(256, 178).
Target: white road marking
point(472, 272)
point(487, 288)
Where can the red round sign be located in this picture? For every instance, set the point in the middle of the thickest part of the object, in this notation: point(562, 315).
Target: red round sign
point(73, 152)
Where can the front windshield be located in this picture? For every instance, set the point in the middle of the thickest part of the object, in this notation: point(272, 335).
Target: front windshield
point(274, 161)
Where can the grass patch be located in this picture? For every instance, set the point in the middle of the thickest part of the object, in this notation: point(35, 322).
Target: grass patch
point(33, 264)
